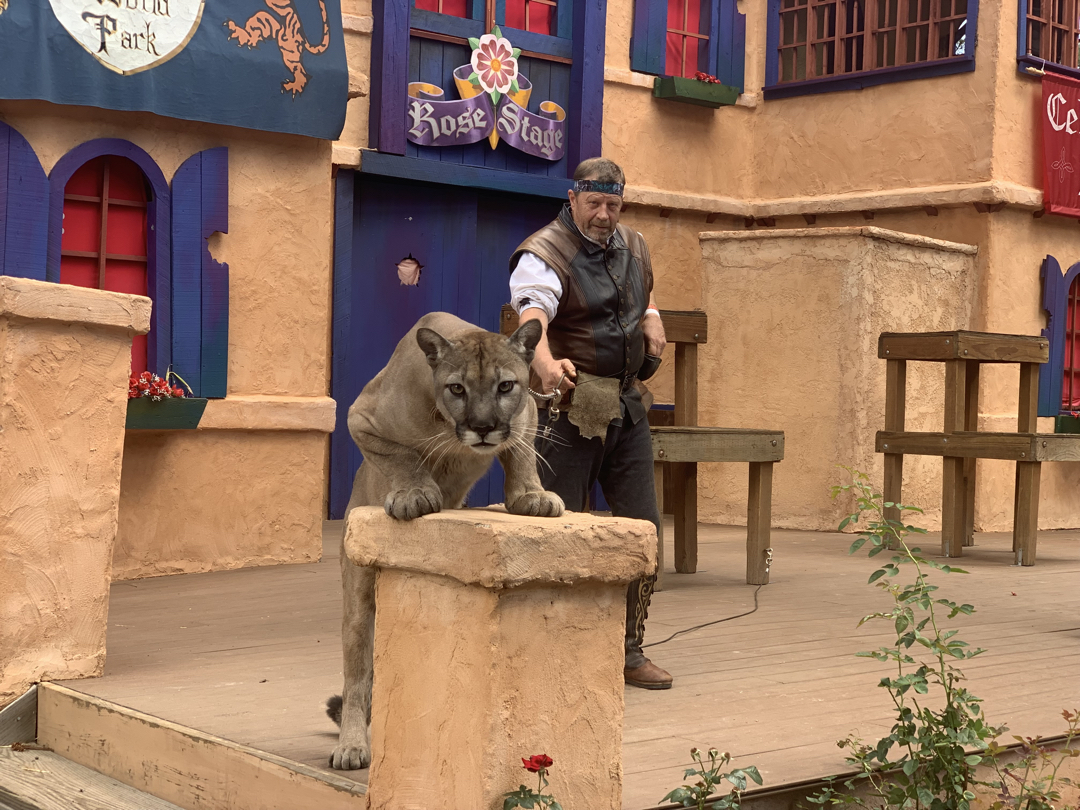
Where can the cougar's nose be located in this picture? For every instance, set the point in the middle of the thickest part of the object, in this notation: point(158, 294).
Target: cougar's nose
point(482, 430)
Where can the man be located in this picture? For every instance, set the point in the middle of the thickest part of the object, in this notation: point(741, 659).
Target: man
point(589, 282)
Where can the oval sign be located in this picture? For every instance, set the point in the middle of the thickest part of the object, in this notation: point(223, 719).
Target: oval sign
point(128, 36)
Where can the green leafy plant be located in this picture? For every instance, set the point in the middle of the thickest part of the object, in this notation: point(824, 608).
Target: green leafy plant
point(527, 797)
point(940, 735)
point(1031, 783)
point(708, 778)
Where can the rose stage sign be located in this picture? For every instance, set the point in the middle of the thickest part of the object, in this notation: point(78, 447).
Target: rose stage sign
point(493, 105)
point(1061, 146)
point(130, 35)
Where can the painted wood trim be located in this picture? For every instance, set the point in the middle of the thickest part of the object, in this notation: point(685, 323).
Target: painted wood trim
point(215, 274)
point(872, 78)
point(187, 273)
point(772, 44)
point(456, 174)
point(340, 361)
point(169, 414)
point(445, 24)
point(701, 444)
point(1055, 301)
point(564, 19)
point(24, 208)
point(389, 75)
point(531, 42)
point(1021, 32)
point(647, 53)
point(158, 237)
point(180, 764)
point(18, 720)
point(587, 82)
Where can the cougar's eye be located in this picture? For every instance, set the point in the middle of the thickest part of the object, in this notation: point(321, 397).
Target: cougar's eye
point(506, 386)
point(457, 389)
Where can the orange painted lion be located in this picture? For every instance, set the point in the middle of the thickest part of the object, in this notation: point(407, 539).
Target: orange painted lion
point(286, 28)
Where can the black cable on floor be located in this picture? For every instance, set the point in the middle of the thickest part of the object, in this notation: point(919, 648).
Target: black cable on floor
point(707, 624)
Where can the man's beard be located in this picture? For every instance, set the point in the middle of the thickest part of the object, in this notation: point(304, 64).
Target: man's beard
point(599, 234)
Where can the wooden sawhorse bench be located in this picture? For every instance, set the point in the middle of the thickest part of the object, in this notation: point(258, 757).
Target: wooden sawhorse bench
point(960, 443)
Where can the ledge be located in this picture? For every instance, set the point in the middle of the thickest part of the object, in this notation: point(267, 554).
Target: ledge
point(993, 192)
point(256, 412)
point(632, 78)
point(45, 301)
point(882, 234)
point(357, 23)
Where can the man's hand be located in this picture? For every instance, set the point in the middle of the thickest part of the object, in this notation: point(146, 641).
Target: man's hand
point(655, 339)
point(551, 371)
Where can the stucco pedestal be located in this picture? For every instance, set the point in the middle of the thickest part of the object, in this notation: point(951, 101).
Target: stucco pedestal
point(497, 637)
point(65, 357)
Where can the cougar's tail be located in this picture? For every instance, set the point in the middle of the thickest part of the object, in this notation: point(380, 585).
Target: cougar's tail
point(333, 709)
point(322, 46)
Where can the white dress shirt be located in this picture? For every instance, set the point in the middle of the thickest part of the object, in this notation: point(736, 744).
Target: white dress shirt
point(535, 284)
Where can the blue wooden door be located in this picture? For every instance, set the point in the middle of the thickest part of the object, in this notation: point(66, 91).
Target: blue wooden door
point(463, 238)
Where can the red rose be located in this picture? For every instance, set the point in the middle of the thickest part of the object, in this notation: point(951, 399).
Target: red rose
point(537, 762)
point(178, 391)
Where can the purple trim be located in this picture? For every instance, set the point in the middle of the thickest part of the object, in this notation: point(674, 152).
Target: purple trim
point(1055, 301)
point(215, 274)
point(1041, 64)
point(158, 215)
point(342, 385)
point(389, 75)
point(24, 207)
point(1021, 30)
point(873, 78)
point(587, 83)
point(870, 78)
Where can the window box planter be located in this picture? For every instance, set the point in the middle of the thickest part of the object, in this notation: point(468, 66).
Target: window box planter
point(1066, 424)
point(692, 91)
point(169, 414)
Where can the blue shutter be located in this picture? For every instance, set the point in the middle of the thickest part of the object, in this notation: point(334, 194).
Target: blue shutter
point(24, 208)
point(200, 284)
point(648, 41)
point(727, 29)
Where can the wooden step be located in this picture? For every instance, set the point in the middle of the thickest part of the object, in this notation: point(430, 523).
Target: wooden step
point(33, 779)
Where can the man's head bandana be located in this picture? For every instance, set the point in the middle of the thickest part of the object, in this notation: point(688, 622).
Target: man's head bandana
point(596, 185)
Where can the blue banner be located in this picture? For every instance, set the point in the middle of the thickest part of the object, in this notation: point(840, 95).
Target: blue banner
point(276, 65)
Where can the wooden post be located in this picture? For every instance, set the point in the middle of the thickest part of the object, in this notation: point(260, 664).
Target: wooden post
point(971, 423)
point(658, 482)
point(1026, 500)
point(759, 523)
point(684, 475)
point(895, 407)
point(952, 478)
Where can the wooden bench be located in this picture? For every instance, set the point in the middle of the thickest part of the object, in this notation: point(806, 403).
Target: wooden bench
point(961, 443)
point(680, 446)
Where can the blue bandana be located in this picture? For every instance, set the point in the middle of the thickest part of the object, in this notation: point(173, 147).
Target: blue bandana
point(596, 185)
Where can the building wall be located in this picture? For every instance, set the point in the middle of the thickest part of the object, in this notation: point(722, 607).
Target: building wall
point(251, 491)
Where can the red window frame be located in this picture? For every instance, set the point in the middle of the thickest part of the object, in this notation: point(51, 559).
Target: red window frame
point(687, 38)
point(823, 38)
point(104, 237)
point(1070, 387)
point(537, 16)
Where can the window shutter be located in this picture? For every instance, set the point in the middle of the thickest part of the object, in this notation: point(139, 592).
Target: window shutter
point(648, 41)
point(1052, 372)
point(200, 285)
point(24, 208)
point(728, 30)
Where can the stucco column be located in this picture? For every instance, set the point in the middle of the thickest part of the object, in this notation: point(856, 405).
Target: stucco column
point(498, 637)
point(65, 358)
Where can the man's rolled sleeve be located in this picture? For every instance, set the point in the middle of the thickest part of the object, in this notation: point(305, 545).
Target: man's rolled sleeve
point(534, 284)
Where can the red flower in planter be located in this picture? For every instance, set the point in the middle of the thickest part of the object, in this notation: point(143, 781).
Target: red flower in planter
point(708, 78)
point(151, 385)
point(537, 762)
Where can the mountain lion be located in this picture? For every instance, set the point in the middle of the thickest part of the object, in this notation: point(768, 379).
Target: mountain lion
point(424, 447)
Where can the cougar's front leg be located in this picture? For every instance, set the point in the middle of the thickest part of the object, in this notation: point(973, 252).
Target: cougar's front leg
point(523, 492)
point(413, 492)
point(357, 639)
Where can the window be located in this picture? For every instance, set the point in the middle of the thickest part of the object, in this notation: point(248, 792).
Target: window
point(687, 38)
point(682, 37)
point(455, 8)
point(103, 243)
point(1048, 33)
point(845, 44)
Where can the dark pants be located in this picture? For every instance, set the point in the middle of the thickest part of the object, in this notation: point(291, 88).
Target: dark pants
point(623, 464)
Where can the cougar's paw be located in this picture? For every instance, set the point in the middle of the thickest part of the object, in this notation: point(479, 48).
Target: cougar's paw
point(409, 504)
point(537, 504)
point(351, 757)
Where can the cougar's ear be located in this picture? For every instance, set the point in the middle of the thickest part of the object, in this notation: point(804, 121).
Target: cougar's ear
point(526, 337)
point(433, 344)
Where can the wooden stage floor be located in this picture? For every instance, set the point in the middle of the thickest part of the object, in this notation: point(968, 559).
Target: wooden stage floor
point(251, 655)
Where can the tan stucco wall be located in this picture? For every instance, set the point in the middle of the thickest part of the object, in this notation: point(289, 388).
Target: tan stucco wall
point(266, 498)
point(64, 362)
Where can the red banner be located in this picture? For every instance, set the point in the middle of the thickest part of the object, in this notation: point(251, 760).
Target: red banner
point(1061, 145)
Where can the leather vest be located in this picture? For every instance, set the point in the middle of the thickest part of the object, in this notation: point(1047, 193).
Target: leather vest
point(605, 292)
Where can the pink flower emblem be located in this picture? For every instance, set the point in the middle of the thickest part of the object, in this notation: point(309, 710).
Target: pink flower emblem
point(494, 63)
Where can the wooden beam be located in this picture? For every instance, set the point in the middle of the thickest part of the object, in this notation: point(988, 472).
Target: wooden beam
point(685, 326)
point(868, 215)
point(895, 408)
point(759, 523)
point(930, 210)
point(685, 475)
point(1005, 446)
point(18, 720)
point(962, 345)
point(1028, 413)
point(658, 483)
point(711, 218)
point(686, 384)
point(704, 444)
point(1026, 519)
point(665, 212)
point(971, 424)
point(810, 218)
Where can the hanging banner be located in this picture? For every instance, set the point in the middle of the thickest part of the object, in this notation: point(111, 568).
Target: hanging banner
point(1061, 145)
point(275, 65)
point(493, 105)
